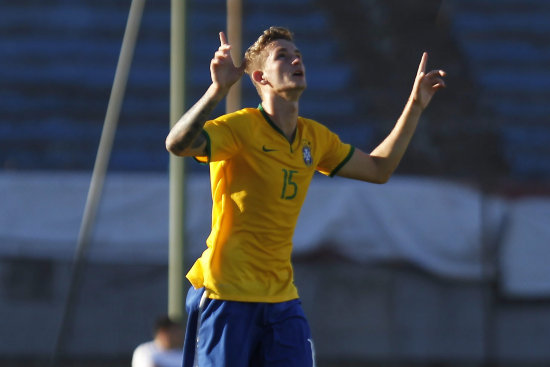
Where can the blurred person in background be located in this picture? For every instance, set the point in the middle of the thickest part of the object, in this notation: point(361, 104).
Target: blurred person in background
point(165, 350)
point(243, 309)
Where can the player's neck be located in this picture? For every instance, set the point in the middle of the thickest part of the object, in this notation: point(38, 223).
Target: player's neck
point(283, 113)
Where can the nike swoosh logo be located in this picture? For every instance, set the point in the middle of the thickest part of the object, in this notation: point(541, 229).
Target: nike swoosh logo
point(265, 149)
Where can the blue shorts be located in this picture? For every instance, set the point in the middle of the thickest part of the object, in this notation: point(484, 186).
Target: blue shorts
point(246, 334)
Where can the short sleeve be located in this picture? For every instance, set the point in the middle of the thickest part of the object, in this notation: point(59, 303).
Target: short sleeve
point(334, 153)
point(221, 141)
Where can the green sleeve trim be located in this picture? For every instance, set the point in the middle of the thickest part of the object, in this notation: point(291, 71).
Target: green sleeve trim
point(335, 171)
point(208, 149)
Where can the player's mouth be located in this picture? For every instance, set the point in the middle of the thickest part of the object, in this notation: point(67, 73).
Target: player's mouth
point(299, 73)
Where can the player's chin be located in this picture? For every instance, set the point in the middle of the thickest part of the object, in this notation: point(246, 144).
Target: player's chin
point(298, 86)
point(296, 81)
point(301, 82)
point(293, 90)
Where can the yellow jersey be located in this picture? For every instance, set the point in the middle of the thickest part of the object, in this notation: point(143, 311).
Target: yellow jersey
point(259, 181)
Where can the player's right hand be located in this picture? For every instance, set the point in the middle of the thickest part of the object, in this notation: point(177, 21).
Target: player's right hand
point(223, 71)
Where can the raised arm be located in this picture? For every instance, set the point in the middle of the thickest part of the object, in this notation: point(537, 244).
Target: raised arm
point(185, 138)
point(379, 165)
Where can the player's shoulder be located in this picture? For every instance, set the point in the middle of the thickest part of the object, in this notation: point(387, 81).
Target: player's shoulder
point(238, 120)
point(242, 116)
point(313, 125)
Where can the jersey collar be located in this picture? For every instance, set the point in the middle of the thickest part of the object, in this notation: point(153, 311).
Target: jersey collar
point(270, 122)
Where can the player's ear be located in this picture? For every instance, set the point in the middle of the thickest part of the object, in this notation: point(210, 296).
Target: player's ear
point(258, 77)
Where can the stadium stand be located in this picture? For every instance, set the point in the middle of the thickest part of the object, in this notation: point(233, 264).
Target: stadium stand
point(59, 62)
point(384, 40)
point(505, 45)
point(59, 59)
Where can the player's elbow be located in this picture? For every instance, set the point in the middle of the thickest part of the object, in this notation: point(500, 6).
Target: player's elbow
point(381, 174)
point(381, 179)
point(174, 146)
point(384, 171)
point(375, 178)
point(170, 145)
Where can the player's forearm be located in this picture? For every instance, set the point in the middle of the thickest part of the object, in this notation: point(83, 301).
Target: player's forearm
point(390, 152)
point(183, 134)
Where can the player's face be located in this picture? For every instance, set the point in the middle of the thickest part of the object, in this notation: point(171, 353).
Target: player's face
point(283, 67)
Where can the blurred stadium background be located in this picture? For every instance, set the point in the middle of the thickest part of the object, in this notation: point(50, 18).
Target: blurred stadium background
point(452, 271)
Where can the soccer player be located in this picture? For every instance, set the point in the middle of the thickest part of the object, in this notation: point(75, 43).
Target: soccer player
point(243, 308)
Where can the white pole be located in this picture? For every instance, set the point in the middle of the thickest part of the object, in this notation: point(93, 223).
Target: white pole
point(176, 245)
point(101, 164)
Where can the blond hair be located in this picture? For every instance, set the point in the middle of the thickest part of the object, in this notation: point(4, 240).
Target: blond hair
point(254, 55)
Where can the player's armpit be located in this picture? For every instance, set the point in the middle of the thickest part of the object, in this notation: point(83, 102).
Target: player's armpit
point(364, 167)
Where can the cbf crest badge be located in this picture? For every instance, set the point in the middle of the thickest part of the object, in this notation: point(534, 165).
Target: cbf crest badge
point(306, 153)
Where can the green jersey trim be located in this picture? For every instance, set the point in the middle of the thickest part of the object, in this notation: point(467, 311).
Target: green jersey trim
point(270, 122)
point(335, 171)
point(207, 148)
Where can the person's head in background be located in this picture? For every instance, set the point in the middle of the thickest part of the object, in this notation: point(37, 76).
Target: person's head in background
point(168, 333)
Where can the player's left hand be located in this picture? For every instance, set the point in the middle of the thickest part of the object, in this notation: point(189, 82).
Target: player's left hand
point(426, 84)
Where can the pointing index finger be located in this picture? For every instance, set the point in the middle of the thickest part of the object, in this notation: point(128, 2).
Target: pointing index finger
point(223, 39)
point(423, 62)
